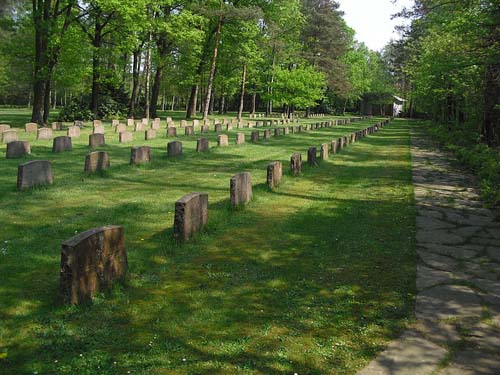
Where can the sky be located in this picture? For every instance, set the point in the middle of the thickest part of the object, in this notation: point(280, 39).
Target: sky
point(371, 19)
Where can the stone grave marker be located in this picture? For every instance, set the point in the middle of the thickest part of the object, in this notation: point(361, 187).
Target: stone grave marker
point(191, 215)
point(61, 144)
point(96, 140)
point(274, 174)
point(174, 148)
point(323, 153)
point(97, 129)
point(120, 128)
point(31, 127)
point(73, 132)
point(171, 131)
point(125, 137)
point(296, 164)
point(91, 261)
point(17, 149)
point(240, 138)
point(34, 173)
point(312, 156)
point(202, 145)
point(9, 136)
point(149, 134)
point(241, 189)
point(222, 140)
point(140, 155)
point(96, 161)
point(189, 130)
point(255, 136)
point(44, 134)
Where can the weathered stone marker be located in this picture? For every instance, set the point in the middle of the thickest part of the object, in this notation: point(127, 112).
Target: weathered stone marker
point(98, 128)
point(115, 122)
point(139, 155)
point(241, 189)
point(240, 138)
point(286, 130)
point(353, 138)
point(174, 148)
point(4, 127)
point(139, 127)
point(218, 128)
point(277, 132)
point(340, 143)
point(323, 153)
point(189, 130)
point(334, 146)
point(171, 131)
point(61, 144)
point(120, 128)
point(96, 161)
point(191, 215)
point(125, 137)
point(34, 173)
point(255, 136)
point(149, 134)
point(205, 128)
point(9, 136)
point(31, 127)
point(312, 153)
point(130, 122)
point(44, 134)
point(296, 164)
point(274, 174)
point(17, 149)
point(222, 140)
point(202, 145)
point(57, 125)
point(73, 132)
point(97, 123)
point(92, 261)
point(267, 134)
point(96, 140)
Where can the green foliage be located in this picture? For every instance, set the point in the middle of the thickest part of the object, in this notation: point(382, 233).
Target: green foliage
point(300, 87)
point(74, 110)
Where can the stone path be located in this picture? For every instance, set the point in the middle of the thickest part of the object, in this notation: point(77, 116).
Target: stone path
point(458, 276)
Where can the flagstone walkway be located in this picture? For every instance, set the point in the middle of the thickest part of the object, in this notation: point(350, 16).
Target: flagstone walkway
point(458, 276)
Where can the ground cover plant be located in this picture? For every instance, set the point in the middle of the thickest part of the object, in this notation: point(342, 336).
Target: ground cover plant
point(314, 277)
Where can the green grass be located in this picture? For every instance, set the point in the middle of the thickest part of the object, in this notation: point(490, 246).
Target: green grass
point(314, 277)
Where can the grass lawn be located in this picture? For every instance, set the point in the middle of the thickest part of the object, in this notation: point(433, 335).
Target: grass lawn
point(314, 277)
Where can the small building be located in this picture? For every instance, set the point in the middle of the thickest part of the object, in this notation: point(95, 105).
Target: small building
point(398, 106)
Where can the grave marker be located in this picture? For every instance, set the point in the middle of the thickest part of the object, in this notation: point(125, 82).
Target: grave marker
point(34, 173)
point(91, 261)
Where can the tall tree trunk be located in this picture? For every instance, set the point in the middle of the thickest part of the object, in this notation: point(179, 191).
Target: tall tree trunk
point(212, 67)
point(222, 104)
point(46, 102)
point(96, 76)
point(193, 100)
point(40, 14)
point(135, 82)
point(212, 102)
point(254, 102)
point(242, 92)
point(491, 120)
point(147, 93)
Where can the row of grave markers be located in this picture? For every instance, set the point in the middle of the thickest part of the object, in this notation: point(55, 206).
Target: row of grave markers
point(45, 133)
point(102, 250)
point(17, 148)
point(39, 172)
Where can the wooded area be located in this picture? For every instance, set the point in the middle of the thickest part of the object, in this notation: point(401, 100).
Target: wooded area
point(102, 58)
